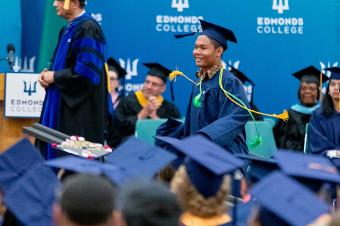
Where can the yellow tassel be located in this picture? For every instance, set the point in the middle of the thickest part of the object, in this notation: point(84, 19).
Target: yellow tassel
point(284, 116)
point(66, 4)
point(174, 74)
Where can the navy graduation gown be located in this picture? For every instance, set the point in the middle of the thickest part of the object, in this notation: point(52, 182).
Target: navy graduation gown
point(324, 132)
point(76, 103)
point(218, 118)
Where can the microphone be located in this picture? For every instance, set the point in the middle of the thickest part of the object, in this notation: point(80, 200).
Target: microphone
point(10, 54)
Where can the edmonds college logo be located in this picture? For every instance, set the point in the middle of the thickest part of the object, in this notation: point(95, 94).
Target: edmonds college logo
point(180, 4)
point(279, 24)
point(280, 5)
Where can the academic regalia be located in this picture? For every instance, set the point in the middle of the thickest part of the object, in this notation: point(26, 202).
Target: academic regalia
point(218, 118)
point(210, 113)
point(325, 130)
point(324, 133)
point(129, 107)
point(291, 135)
point(75, 103)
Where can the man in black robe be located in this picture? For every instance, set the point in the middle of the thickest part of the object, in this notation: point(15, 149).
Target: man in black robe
point(147, 103)
point(76, 96)
point(291, 135)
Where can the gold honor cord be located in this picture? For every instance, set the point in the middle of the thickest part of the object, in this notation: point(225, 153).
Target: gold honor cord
point(256, 140)
point(284, 115)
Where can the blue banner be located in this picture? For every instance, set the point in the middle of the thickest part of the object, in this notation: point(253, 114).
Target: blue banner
point(275, 39)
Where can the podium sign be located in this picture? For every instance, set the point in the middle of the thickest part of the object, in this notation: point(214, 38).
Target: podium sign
point(24, 96)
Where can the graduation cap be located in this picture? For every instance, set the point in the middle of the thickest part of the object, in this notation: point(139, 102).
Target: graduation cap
point(157, 70)
point(87, 166)
point(16, 161)
point(87, 199)
point(31, 198)
point(140, 159)
point(310, 75)
point(258, 167)
point(113, 65)
point(335, 72)
point(207, 163)
point(161, 72)
point(216, 32)
point(311, 170)
point(288, 200)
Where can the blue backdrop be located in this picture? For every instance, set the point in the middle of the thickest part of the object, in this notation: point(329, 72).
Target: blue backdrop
point(10, 30)
point(275, 39)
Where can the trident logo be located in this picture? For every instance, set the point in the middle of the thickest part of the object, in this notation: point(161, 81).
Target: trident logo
point(180, 4)
point(280, 5)
point(131, 68)
point(28, 88)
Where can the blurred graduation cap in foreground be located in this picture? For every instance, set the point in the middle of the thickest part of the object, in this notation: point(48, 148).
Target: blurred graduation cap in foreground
point(283, 201)
point(207, 163)
point(258, 167)
point(140, 159)
point(311, 170)
point(16, 161)
point(32, 196)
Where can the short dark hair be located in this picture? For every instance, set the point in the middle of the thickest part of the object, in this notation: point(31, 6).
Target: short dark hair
point(147, 203)
point(216, 44)
point(327, 103)
point(87, 199)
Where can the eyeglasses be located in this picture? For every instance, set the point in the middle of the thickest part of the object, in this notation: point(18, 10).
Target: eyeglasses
point(113, 79)
point(147, 82)
point(312, 89)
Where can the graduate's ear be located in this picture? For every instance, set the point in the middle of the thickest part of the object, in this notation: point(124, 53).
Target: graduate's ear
point(219, 51)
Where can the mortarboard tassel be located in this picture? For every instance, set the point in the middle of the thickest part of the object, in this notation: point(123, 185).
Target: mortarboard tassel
point(66, 4)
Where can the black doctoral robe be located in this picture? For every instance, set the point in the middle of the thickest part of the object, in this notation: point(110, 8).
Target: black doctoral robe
point(124, 122)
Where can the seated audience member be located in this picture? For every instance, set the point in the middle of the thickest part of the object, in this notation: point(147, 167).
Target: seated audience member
point(116, 73)
point(284, 202)
point(147, 103)
point(148, 204)
point(325, 122)
point(291, 135)
point(248, 86)
point(85, 200)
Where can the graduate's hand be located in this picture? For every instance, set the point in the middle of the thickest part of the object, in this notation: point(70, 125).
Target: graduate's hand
point(48, 77)
point(41, 79)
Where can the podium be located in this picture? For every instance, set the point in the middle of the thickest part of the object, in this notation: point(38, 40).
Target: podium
point(10, 128)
